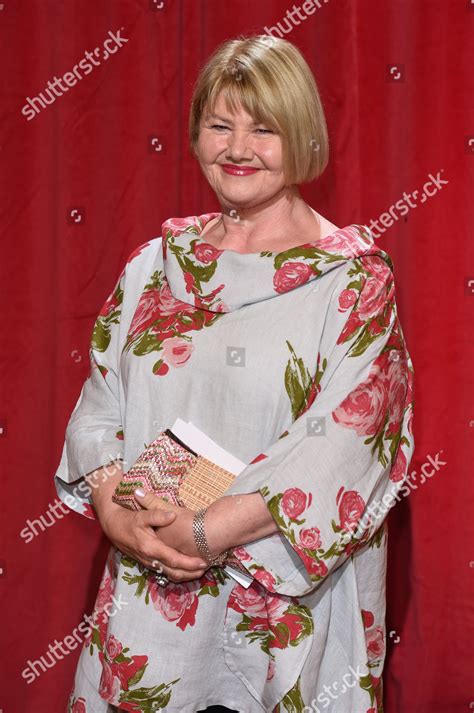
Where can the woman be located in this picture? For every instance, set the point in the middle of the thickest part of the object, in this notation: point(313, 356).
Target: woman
point(276, 333)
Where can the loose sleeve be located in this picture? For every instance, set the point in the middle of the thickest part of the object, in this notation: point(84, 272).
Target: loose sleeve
point(94, 433)
point(330, 479)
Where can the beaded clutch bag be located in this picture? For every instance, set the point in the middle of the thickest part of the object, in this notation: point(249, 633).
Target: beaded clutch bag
point(173, 471)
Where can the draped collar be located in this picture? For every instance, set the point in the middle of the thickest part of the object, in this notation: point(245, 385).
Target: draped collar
point(225, 280)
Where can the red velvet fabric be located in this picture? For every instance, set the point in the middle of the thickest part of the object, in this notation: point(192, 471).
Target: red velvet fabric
point(83, 183)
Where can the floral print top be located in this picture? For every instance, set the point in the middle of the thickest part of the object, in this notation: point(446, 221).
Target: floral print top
point(296, 363)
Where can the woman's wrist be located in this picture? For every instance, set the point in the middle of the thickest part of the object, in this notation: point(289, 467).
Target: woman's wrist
point(235, 520)
point(102, 483)
point(202, 544)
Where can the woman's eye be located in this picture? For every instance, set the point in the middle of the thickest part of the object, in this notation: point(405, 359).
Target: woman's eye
point(220, 127)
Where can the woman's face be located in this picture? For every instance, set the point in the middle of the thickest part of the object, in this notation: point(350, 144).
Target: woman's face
point(233, 139)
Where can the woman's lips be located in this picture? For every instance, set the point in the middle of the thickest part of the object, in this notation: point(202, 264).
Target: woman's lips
point(238, 170)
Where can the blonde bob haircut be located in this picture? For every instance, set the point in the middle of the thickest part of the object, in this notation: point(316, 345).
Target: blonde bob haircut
point(271, 80)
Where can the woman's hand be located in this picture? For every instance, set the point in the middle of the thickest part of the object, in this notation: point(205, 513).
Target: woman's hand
point(179, 532)
point(133, 532)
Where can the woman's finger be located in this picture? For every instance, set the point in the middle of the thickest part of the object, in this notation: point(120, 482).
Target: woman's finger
point(149, 501)
point(177, 575)
point(173, 559)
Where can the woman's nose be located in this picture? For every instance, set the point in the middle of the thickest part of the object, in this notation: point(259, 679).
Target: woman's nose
point(239, 144)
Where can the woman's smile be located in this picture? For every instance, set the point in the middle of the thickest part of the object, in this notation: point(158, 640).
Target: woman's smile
point(239, 170)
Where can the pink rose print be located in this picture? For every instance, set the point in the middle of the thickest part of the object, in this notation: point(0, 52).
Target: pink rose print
point(127, 669)
point(206, 253)
point(269, 618)
point(399, 467)
point(79, 706)
point(294, 502)
point(189, 281)
point(277, 614)
point(242, 553)
point(374, 328)
point(176, 225)
point(367, 617)
point(161, 368)
point(313, 566)
point(376, 266)
point(177, 602)
point(364, 409)
point(116, 675)
point(169, 305)
point(250, 601)
point(347, 299)
point(372, 298)
point(397, 375)
point(146, 313)
point(310, 538)
point(265, 579)
point(351, 326)
point(291, 275)
point(113, 647)
point(109, 688)
point(177, 351)
point(340, 244)
point(375, 643)
point(351, 507)
point(104, 595)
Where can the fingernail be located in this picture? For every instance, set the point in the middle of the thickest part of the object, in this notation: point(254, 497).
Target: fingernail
point(140, 492)
point(203, 564)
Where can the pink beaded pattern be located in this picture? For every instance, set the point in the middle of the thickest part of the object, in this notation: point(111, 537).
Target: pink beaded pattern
point(160, 469)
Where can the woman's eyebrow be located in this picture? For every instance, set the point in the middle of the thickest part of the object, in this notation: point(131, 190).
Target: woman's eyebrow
point(228, 121)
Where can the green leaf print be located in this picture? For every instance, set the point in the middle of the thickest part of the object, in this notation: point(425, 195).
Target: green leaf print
point(365, 682)
point(306, 619)
point(101, 335)
point(145, 344)
point(297, 382)
point(138, 676)
point(201, 273)
point(101, 332)
point(292, 700)
point(149, 699)
point(296, 252)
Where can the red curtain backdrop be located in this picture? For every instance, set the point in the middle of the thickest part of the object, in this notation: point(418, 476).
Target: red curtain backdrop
point(95, 173)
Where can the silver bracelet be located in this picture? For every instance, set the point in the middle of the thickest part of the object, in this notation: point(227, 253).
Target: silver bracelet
point(201, 542)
